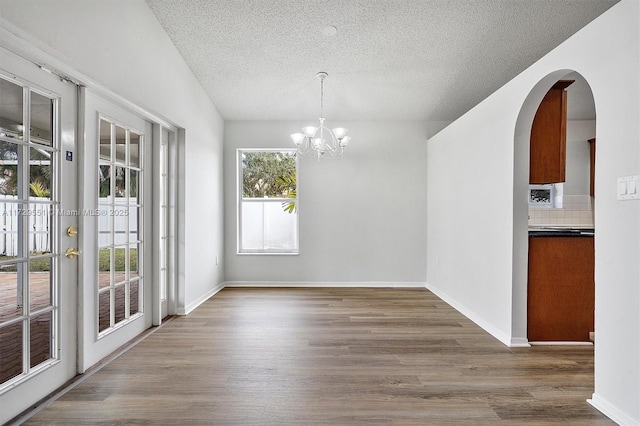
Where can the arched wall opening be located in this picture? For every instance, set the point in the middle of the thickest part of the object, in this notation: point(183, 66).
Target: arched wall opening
point(581, 109)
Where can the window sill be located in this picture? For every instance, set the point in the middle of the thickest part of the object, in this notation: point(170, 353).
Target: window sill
point(266, 253)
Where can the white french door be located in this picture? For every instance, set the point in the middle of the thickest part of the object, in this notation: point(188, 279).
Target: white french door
point(117, 228)
point(38, 216)
point(164, 212)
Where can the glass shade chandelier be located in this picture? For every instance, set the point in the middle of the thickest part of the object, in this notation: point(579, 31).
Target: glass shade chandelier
point(321, 141)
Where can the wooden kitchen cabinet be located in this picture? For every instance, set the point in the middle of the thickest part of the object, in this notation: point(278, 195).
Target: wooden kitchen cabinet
point(548, 143)
point(561, 289)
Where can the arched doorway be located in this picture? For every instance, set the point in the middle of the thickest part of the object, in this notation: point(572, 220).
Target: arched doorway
point(573, 206)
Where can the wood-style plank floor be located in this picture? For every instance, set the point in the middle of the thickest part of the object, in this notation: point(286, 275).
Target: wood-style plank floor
point(331, 357)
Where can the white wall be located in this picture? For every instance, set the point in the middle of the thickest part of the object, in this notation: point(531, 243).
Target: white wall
point(577, 173)
point(120, 45)
point(361, 216)
point(481, 267)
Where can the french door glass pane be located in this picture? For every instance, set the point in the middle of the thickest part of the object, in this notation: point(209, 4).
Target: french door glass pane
point(104, 182)
point(40, 174)
point(133, 262)
point(10, 293)
point(104, 148)
point(41, 131)
point(135, 216)
point(134, 296)
point(121, 145)
point(39, 224)
point(40, 284)
point(104, 310)
point(105, 226)
point(10, 167)
point(119, 265)
point(120, 303)
point(11, 115)
point(40, 337)
point(104, 267)
point(120, 190)
point(11, 353)
point(133, 187)
point(134, 150)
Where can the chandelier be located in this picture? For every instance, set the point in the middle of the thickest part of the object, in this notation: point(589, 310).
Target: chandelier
point(321, 141)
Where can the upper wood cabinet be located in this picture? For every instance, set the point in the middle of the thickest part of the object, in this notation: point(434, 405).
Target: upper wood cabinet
point(548, 146)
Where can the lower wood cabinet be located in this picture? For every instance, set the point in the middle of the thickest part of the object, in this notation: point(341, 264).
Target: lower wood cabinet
point(561, 289)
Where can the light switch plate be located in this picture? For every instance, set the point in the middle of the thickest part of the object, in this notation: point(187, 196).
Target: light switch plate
point(628, 188)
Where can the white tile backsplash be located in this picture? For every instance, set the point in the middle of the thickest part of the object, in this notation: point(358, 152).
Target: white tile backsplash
point(577, 210)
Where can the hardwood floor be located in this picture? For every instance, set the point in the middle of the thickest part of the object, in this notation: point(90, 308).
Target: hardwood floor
point(331, 357)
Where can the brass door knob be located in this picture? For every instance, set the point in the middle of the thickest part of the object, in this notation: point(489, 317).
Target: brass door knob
point(71, 253)
point(72, 231)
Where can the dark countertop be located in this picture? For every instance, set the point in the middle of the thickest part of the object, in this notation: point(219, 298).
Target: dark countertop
point(560, 232)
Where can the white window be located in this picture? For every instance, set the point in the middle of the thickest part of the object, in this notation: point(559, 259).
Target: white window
point(267, 202)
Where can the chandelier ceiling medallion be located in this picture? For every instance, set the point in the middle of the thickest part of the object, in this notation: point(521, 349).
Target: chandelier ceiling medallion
point(321, 141)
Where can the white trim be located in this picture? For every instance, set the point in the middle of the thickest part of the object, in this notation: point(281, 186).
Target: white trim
point(519, 342)
point(489, 328)
point(325, 284)
point(193, 305)
point(561, 343)
point(268, 253)
point(609, 410)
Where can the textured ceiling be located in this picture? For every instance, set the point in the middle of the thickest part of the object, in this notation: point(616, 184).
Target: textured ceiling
point(392, 59)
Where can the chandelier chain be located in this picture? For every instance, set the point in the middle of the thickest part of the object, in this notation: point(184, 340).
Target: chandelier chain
point(322, 98)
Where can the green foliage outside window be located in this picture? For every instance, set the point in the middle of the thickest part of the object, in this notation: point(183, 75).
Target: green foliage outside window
point(39, 170)
point(267, 174)
point(270, 174)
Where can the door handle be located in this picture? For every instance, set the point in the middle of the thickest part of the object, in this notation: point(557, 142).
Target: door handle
point(71, 253)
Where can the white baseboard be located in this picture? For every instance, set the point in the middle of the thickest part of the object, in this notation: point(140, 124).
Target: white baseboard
point(321, 284)
point(550, 343)
point(191, 306)
point(519, 342)
point(612, 412)
point(489, 328)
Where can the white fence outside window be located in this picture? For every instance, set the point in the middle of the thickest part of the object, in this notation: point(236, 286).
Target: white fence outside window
point(266, 227)
point(124, 218)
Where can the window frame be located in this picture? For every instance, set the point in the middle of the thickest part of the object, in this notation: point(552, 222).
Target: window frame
point(240, 200)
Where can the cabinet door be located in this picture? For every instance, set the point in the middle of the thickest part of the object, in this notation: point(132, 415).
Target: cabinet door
point(548, 147)
point(561, 289)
